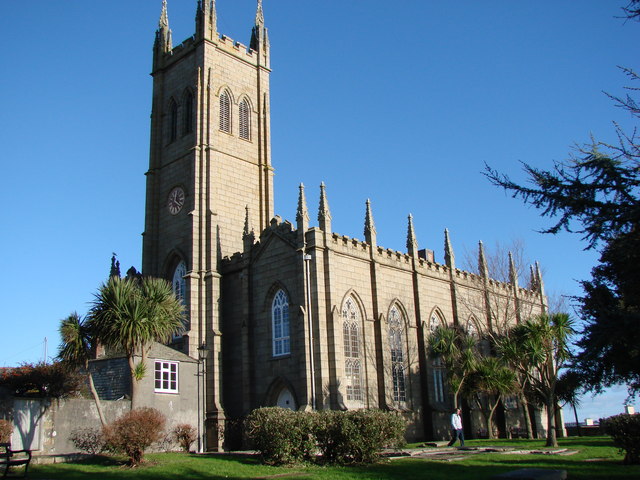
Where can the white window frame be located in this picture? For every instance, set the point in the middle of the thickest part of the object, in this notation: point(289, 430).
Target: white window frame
point(280, 324)
point(165, 376)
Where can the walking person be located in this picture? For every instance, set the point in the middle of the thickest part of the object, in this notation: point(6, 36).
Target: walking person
point(456, 428)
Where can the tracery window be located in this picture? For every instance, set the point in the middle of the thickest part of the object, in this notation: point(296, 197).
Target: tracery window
point(438, 380)
point(245, 120)
point(352, 347)
point(173, 120)
point(396, 344)
point(187, 114)
point(225, 112)
point(179, 283)
point(280, 324)
point(435, 322)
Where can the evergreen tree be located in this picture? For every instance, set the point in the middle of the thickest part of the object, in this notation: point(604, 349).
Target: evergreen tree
point(597, 194)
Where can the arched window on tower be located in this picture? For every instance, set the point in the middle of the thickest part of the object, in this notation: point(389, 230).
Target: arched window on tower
point(352, 350)
point(179, 283)
point(225, 112)
point(396, 345)
point(244, 120)
point(179, 286)
point(280, 324)
point(187, 113)
point(173, 120)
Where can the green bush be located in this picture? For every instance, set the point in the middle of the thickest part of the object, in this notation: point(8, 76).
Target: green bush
point(134, 432)
point(6, 429)
point(280, 435)
point(357, 436)
point(624, 429)
point(284, 436)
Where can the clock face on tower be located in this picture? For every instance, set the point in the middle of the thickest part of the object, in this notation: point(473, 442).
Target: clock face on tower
point(175, 201)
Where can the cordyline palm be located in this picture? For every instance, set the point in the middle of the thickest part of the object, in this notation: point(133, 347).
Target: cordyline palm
point(458, 353)
point(75, 350)
point(129, 315)
point(538, 348)
point(493, 379)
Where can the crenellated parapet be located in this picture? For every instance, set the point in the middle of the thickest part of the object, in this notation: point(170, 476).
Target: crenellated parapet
point(206, 30)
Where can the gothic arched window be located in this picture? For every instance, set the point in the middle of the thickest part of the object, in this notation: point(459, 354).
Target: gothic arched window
point(225, 112)
point(244, 120)
point(280, 324)
point(352, 347)
point(438, 380)
point(396, 345)
point(187, 114)
point(179, 283)
point(173, 120)
point(436, 321)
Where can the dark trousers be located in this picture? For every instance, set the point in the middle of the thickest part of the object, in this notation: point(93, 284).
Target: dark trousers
point(455, 435)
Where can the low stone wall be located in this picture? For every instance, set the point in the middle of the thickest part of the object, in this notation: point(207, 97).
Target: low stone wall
point(45, 425)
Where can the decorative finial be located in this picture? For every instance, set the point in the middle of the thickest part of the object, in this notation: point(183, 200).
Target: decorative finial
point(164, 17)
point(259, 14)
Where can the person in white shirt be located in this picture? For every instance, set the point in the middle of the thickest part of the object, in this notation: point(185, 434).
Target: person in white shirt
point(456, 428)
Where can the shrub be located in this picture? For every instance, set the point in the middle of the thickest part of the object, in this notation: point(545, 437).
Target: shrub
point(185, 435)
point(284, 436)
point(134, 432)
point(624, 429)
point(89, 440)
point(6, 429)
point(357, 436)
point(42, 380)
point(281, 435)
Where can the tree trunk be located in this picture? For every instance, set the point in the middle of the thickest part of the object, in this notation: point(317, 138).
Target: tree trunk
point(527, 417)
point(575, 414)
point(96, 398)
point(490, 418)
point(134, 383)
point(551, 423)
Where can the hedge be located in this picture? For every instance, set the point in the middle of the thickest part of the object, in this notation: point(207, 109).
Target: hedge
point(284, 436)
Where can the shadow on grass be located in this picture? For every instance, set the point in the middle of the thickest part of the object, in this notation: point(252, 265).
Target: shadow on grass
point(245, 466)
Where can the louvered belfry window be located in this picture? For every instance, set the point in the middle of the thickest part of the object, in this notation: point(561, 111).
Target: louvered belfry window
point(225, 112)
point(245, 125)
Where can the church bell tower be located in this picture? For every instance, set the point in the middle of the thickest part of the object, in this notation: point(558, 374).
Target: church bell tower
point(209, 167)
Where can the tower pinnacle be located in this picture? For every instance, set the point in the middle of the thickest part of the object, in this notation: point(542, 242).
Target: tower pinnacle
point(449, 257)
point(324, 215)
point(369, 226)
point(302, 214)
point(412, 243)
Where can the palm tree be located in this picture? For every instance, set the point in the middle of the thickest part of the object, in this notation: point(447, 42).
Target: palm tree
point(538, 349)
point(494, 380)
point(457, 350)
point(128, 315)
point(75, 350)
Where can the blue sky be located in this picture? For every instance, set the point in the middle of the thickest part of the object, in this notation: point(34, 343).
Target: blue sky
point(400, 102)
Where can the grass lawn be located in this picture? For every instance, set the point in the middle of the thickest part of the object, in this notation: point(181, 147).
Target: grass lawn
point(597, 458)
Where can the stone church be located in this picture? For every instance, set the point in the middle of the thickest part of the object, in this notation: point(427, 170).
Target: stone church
point(289, 314)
